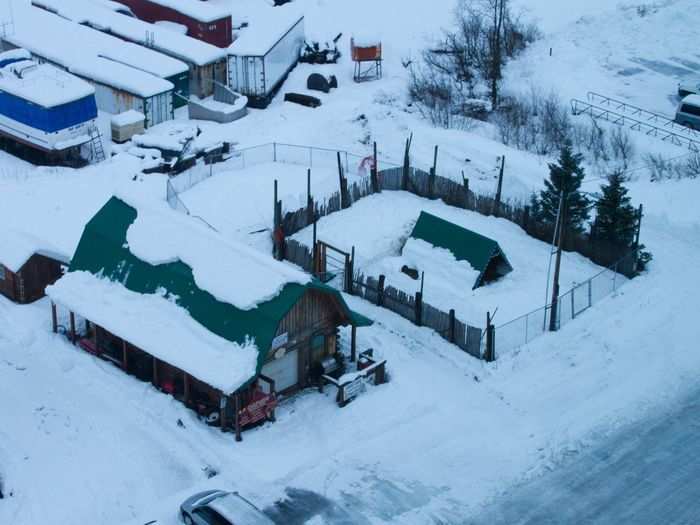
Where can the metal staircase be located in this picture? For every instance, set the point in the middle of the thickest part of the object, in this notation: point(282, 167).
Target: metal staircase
point(624, 114)
point(96, 147)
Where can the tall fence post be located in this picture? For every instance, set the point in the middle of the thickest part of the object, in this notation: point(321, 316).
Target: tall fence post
point(433, 173)
point(380, 290)
point(452, 326)
point(373, 173)
point(344, 201)
point(499, 188)
point(405, 174)
point(309, 199)
point(349, 271)
point(419, 308)
point(274, 152)
point(490, 353)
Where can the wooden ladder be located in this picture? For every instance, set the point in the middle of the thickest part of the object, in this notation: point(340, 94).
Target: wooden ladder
point(98, 152)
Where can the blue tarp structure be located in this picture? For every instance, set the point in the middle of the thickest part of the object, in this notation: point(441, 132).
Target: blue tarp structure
point(48, 120)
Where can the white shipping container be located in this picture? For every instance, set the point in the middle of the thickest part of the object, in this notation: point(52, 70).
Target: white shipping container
point(258, 67)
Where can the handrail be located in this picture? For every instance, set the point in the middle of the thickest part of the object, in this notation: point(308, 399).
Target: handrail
point(580, 107)
point(597, 98)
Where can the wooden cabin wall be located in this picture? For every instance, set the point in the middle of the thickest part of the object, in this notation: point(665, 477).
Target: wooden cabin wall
point(37, 273)
point(315, 314)
point(8, 283)
point(30, 283)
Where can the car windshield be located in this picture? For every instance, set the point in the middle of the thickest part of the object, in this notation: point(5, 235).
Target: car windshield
point(237, 510)
point(211, 517)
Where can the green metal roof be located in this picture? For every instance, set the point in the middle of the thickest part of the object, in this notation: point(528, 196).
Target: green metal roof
point(465, 245)
point(103, 251)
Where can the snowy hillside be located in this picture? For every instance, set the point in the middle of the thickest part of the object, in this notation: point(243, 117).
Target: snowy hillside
point(82, 442)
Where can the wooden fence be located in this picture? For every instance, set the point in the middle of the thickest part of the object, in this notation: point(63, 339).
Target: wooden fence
point(457, 194)
point(412, 308)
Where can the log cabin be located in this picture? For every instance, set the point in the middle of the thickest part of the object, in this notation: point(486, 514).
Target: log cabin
point(218, 325)
point(27, 266)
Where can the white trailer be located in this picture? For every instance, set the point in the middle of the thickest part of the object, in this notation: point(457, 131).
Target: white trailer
point(263, 55)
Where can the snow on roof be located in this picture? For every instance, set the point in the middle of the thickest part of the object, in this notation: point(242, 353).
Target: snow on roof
point(157, 325)
point(77, 48)
point(232, 272)
point(172, 26)
point(42, 84)
point(65, 42)
point(264, 31)
point(102, 18)
point(18, 248)
point(128, 117)
point(202, 11)
point(691, 99)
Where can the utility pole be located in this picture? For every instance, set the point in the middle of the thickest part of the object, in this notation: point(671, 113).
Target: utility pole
point(557, 265)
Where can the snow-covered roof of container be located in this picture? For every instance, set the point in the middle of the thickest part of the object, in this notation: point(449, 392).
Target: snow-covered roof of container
point(76, 48)
point(202, 11)
point(691, 99)
point(128, 117)
point(18, 247)
point(104, 19)
point(42, 84)
point(265, 29)
point(159, 326)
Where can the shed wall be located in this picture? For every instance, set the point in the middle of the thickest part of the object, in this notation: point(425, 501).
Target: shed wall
point(217, 32)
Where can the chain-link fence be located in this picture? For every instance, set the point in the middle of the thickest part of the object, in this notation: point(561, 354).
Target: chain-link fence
point(309, 156)
point(571, 304)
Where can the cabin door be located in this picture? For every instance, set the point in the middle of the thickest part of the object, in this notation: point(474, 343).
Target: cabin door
point(284, 370)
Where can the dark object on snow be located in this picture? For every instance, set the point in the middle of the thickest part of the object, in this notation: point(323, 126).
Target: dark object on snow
point(317, 82)
point(314, 54)
point(411, 272)
point(304, 100)
point(281, 2)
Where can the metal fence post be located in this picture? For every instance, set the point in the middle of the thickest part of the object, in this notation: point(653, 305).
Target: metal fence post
point(274, 152)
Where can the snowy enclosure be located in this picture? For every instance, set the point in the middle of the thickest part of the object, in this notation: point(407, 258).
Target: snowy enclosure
point(379, 225)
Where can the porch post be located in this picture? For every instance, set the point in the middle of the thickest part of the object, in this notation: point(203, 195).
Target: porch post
point(353, 343)
point(72, 328)
point(54, 318)
point(125, 362)
point(223, 401)
point(237, 398)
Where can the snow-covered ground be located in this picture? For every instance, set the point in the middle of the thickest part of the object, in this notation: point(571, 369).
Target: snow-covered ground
point(240, 203)
point(82, 443)
point(378, 226)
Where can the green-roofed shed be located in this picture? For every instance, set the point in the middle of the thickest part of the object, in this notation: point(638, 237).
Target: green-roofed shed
point(293, 333)
point(482, 253)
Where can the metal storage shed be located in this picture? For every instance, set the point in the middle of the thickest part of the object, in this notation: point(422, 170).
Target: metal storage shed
point(482, 253)
point(204, 20)
point(263, 55)
point(118, 86)
point(207, 63)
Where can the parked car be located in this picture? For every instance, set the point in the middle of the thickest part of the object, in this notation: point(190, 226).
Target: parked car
point(219, 507)
point(688, 112)
point(689, 87)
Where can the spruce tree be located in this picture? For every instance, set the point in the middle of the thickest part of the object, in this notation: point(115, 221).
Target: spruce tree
point(567, 175)
point(616, 218)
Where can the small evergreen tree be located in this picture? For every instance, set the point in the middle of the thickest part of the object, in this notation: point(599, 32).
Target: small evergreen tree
point(616, 218)
point(565, 175)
